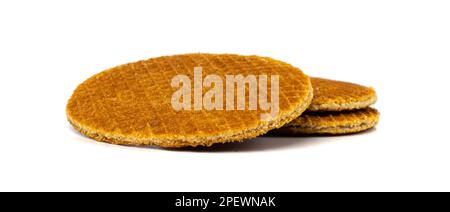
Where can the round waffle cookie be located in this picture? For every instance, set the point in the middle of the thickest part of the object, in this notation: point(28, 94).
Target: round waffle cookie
point(343, 122)
point(331, 95)
point(131, 104)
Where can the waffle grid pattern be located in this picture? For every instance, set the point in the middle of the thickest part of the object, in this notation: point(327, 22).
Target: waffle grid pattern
point(130, 104)
point(331, 95)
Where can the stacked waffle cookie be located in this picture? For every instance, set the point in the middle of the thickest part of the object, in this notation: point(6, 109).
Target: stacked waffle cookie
point(154, 102)
point(337, 108)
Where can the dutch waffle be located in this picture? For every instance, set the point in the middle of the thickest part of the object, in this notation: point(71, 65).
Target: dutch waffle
point(131, 104)
point(331, 95)
point(342, 122)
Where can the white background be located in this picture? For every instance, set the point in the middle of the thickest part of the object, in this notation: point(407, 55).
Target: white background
point(402, 48)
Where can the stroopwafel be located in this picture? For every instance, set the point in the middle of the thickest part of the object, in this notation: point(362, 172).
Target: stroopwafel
point(341, 122)
point(132, 104)
point(332, 95)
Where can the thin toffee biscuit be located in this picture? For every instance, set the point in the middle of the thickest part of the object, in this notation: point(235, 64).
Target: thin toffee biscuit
point(332, 95)
point(342, 122)
point(131, 104)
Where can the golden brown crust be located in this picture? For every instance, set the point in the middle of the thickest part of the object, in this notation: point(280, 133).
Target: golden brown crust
point(343, 122)
point(131, 104)
point(331, 95)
